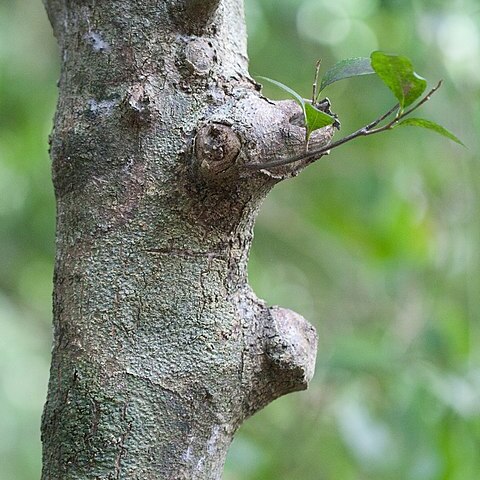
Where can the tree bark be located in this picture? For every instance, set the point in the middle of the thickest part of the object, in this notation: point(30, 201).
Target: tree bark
point(161, 349)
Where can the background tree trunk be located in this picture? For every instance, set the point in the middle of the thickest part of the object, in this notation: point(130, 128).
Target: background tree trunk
point(161, 349)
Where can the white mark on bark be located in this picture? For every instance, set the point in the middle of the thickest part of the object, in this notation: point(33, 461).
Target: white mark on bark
point(127, 167)
point(201, 464)
point(104, 107)
point(97, 42)
point(212, 441)
point(188, 456)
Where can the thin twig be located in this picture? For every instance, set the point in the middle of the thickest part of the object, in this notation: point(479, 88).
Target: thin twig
point(315, 81)
point(362, 132)
point(399, 116)
point(313, 153)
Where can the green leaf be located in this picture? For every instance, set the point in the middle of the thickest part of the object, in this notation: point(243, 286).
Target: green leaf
point(396, 71)
point(421, 122)
point(292, 92)
point(351, 67)
point(316, 118)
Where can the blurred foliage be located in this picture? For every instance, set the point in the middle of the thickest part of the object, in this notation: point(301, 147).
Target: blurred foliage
point(376, 244)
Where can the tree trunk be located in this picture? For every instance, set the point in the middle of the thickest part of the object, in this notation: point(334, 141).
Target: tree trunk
point(161, 349)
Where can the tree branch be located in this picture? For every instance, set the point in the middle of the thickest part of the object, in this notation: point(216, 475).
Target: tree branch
point(361, 132)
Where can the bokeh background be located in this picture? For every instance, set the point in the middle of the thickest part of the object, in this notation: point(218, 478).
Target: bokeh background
point(377, 245)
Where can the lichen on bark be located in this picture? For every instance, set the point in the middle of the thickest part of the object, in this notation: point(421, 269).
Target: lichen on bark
point(161, 349)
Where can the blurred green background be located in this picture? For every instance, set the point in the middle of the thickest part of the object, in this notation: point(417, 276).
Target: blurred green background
point(377, 245)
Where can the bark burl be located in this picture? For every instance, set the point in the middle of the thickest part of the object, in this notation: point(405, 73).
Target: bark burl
point(161, 349)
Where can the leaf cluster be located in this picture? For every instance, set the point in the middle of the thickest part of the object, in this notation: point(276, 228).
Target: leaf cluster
point(395, 71)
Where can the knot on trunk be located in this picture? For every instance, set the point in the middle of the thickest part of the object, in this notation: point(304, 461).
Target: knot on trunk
point(217, 147)
point(200, 55)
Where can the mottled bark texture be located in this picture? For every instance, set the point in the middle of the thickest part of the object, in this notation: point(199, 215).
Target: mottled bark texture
point(161, 349)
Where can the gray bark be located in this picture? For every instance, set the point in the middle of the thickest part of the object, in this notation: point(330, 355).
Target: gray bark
point(161, 349)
